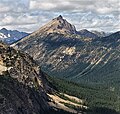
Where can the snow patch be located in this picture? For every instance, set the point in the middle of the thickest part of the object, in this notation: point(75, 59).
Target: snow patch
point(2, 35)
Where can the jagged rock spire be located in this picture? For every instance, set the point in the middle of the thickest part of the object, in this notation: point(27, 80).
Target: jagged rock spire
point(59, 17)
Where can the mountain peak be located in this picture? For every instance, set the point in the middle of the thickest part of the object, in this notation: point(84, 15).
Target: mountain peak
point(59, 17)
point(3, 29)
point(58, 25)
point(84, 30)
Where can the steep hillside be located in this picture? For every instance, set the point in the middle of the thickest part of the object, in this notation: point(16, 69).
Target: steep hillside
point(24, 88)
point(21, 86)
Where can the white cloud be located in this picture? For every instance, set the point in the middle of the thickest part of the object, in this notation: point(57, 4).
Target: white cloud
point(41, 5)
point(8, 20)
point(18, 20)
point(99, 6)
point(29, 15)
point(4, 8)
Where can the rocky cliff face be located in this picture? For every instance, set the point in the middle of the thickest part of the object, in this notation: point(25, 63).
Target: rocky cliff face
point(21, 86)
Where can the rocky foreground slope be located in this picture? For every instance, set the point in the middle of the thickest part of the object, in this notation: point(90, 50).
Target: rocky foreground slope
point(24, 88)
point(21, 86)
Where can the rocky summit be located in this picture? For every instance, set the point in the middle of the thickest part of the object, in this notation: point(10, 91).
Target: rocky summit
point(58, 25)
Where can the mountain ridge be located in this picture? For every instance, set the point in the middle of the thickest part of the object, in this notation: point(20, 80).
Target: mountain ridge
point(11, 36)
point(71, 54)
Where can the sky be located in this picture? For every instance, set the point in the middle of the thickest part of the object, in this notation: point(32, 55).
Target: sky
point(30, 15)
